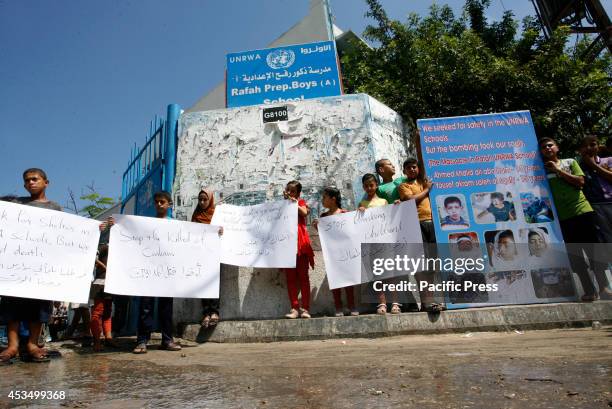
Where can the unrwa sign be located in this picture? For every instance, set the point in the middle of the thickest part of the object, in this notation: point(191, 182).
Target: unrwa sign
point(282, 74)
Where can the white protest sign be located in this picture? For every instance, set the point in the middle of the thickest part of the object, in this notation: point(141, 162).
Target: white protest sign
point(341, 236)
point(163, 258)
point(263, 235)
point(46, 254)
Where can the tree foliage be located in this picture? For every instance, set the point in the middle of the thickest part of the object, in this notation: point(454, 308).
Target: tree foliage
point(443, 65)
point(95, 202)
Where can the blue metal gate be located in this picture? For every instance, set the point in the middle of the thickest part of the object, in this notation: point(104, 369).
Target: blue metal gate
point(150, 170)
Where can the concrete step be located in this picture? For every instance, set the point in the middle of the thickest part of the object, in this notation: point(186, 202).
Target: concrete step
point(500, 318)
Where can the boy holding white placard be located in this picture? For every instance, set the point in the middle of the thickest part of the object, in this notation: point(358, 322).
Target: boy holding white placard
point(163, 203)
point(31, 311)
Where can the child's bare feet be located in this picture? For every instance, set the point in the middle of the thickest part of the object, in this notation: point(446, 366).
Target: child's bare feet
point(7, 356)
point(36, 354)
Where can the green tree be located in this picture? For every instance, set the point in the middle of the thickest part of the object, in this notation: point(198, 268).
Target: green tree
point(96, 203)
point(443, 65)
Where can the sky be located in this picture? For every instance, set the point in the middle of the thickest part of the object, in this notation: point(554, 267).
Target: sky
point(80, 81)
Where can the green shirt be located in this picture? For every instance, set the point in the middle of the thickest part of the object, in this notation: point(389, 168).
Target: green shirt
point(389, 191)
point(569, 200)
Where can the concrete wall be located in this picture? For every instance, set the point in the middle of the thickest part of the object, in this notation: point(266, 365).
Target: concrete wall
point(326, 141)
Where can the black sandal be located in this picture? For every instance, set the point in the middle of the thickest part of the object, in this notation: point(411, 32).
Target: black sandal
point(434, 307)
point(37, 357)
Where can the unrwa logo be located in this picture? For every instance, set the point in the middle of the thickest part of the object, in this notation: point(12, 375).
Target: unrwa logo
point(282, 58)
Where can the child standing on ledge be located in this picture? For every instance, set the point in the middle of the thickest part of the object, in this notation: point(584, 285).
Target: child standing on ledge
point(163, 203)
point(203, 213)
point(305, 257)
point(332, 201)
point(417, 188)
point(371, 199)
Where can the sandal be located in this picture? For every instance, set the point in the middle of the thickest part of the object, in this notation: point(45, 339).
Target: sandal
point(381, 309)
point(214, 319)
point(6, 357)
point(170, 346)
point(140, 348)
point(433, 307)
point(205, 321)
point(38, 356)
point(395, 308)
point(589, 298)
point(110, 342)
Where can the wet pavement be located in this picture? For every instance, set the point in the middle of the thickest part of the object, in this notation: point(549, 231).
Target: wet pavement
point(537, 369)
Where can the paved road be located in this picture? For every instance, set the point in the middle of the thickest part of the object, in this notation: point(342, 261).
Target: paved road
point(536, 369)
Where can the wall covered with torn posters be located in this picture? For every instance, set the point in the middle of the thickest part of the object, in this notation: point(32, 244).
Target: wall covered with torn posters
point(326, 141)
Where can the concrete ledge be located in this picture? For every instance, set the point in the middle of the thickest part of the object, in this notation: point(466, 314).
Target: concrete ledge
point(537, 316)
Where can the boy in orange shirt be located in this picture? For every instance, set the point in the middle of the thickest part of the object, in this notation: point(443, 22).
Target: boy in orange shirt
point(417, 187)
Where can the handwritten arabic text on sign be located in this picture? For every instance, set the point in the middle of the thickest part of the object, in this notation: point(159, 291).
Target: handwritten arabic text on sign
point(163, 258)
point(263, 235)
point(341, 237)
point(282, 74)
point(46, 254)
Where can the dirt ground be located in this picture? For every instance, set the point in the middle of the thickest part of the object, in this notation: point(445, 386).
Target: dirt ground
point(568, 368)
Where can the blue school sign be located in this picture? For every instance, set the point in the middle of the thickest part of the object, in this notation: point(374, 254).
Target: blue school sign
point(490, 198)
point(282, 74)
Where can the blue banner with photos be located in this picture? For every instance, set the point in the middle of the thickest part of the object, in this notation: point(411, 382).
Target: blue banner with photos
point(491, 199)
point(282, 74)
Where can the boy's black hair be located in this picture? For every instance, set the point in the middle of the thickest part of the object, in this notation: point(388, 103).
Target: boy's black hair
point(378, 164)
point(335, 194)
point(369, 176)
point(545, 139)
point(498, 195)
point(164, 194)
point(452, 199)
point(35, 170)
point(295, 184)
point(506, 233)
point(414, 161)
point(588, 138)
point(410, 161)
point(532, 233)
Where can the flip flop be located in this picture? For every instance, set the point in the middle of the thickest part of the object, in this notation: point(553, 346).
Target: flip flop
point(38, 356)
point(214, 319)
point(434, 307)
point(52, 353)
point(111, 343)
point(140, 349)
